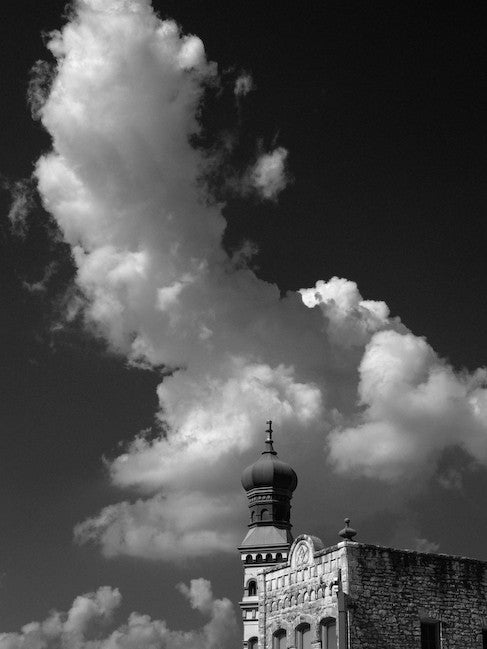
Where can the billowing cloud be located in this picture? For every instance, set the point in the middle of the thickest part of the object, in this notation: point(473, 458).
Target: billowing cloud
point(173, 527)
point(89, 625)
point(335, 372)
point(415, 407)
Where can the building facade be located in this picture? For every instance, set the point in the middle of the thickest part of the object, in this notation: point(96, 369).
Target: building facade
point(299, 594)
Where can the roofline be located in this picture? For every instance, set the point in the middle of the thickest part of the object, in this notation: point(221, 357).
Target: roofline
point(356, 544)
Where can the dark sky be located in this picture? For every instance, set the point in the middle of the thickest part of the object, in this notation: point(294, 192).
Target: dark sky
point(381, 107)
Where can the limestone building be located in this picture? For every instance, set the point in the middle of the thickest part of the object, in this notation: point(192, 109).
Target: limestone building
point(300, 594)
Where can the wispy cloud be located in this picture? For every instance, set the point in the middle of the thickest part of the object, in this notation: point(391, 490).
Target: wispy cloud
point(22, 194)
point(243, 84)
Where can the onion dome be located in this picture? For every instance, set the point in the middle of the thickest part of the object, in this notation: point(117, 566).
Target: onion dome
point(269, 471)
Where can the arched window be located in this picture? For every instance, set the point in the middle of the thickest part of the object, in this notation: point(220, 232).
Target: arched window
point(252, 588)
point(279, 640)
point(264, 515)
point(303, 636)
point(278, 557)
point(252, 517)
point(248, 558)
point(258, 558)
point(268, 557)
point(252, 643)
point(328, 634)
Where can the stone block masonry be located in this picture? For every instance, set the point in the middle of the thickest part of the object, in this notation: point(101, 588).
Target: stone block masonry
point(387, 594)
point(392, 591)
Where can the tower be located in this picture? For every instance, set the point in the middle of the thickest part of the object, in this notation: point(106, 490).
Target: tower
point(269, 484)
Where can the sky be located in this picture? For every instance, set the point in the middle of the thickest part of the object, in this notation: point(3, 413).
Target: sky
point(214, 214)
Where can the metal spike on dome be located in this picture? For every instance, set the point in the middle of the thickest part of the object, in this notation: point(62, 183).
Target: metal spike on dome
point(269, 443)
point(348, 532)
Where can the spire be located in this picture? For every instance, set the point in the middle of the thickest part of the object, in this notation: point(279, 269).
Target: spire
point(269, 444)
point(269, 483)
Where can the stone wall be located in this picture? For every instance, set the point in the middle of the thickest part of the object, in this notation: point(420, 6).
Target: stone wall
point(391, 591)
point(388, 593)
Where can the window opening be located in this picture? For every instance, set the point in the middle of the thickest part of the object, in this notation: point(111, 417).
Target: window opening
point(303, 637)
point(252, 588)
point(328, 634)
point(279, 640)
point(430, 635)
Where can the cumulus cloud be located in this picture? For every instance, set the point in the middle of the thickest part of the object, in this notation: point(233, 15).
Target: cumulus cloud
point(124, 184)
point(269, 176)
point(350, 319)
point(173, 527)
point(89, 625)
point(415, 407)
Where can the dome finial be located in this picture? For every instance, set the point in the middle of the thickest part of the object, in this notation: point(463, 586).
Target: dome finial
point(269, 442)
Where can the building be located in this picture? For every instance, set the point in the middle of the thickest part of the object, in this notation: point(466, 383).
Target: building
point(300, 594)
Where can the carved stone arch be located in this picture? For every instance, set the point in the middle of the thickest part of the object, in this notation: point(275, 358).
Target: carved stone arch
point(306, 597)
point(301, 620)
point(312, 596)
point(294, 600)
point(320, 593)
point(252, 643)
point(276, 627)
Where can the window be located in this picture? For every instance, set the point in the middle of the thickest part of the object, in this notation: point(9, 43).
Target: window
point(303, 637)
point(258, 558)
point(268, 557)
point(252, 588)
point(279, 640)
point(252, 643)
point(430, 635)
point(278, 557)
point(328, 634)
point(248, 558)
